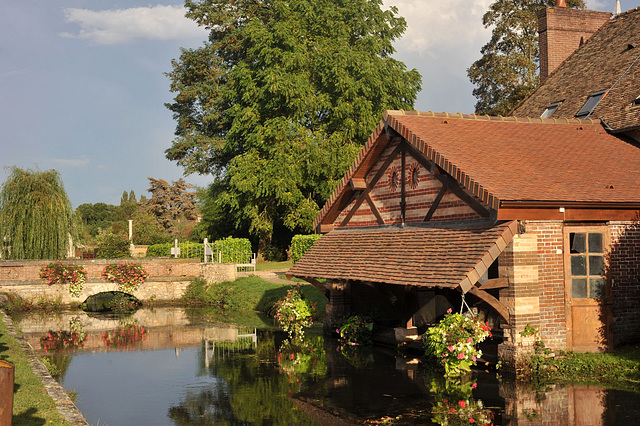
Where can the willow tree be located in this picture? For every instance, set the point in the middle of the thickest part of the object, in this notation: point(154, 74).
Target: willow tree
point(280, 99)
point(36, 216)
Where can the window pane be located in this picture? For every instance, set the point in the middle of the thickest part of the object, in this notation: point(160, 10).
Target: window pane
point(596, 265)
point(579, 288)
point(577, 242)
point(595, 243)
point(596, 288)
point(578, 265)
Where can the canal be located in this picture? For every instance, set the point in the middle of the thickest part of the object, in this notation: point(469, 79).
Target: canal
point(179, 366)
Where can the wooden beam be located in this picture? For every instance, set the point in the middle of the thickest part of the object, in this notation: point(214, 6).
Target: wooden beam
point(455, 187)
point(374, 209)
point(358, 184)
point(375, 180)
point(323, 228)
point(435, 204)
point(495, 283)
point(314, 282)
point(569, 214)
point(499, 307)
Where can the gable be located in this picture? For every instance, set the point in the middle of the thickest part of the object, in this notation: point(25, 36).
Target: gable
point(402, 186)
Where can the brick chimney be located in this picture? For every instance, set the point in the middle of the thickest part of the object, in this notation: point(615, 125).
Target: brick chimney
point(562, 30)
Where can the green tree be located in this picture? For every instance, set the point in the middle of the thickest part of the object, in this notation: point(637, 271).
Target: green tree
point(173, 205)
point(96, 217)
point(278, 101)
point(36, 216)
point(508, 69)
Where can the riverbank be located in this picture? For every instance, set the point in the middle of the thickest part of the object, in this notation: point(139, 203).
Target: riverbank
point(37, 398)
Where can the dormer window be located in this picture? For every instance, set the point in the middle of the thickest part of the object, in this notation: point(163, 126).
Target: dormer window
point(592, 102)
point(636, 102)
point(548, 112)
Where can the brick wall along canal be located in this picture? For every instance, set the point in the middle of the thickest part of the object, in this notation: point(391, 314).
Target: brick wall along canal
point(170, 366)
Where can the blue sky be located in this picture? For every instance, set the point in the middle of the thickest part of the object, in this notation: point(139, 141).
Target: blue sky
point(82, 85)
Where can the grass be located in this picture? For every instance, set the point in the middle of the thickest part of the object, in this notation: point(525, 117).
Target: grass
point(31, 403)
point(256, 294)
point(620, 369)
point(273, 266)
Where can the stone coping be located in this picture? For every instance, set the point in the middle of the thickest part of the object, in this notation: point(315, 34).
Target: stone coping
point(63, 402)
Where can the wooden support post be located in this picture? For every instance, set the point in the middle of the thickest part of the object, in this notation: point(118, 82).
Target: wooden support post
point(7, 377)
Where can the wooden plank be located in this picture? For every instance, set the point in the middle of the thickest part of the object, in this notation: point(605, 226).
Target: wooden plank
point(570, 214)
point(325, 227)
point(499, 307)
point(495, 283)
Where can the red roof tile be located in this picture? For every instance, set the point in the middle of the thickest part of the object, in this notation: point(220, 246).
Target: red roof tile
point(442, 255)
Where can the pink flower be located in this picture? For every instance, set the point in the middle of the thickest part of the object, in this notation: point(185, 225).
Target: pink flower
point(471, 420)
point(473, 358)
point(450, 348)
point(469, 340)
point(449, 310)
point(474, 385)
point(461, 355)
point(462, 404)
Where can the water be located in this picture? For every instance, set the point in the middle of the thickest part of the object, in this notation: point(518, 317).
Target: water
point(173, 366)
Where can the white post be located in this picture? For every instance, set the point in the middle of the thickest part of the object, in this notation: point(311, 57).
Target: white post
point(130, 229)
point(177, 251)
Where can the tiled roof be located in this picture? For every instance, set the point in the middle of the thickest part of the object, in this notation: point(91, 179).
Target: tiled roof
point(515, 159)
point(608, 60)
point(444, 255)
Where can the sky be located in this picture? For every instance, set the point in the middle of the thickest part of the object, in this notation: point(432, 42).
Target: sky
point(82, 83)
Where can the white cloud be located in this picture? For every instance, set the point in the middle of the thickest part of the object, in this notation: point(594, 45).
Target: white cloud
point(71, 162)
point(124, 25)
point(435, 24)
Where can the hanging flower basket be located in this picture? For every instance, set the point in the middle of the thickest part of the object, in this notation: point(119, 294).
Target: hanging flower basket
point(127, 275)
point(59, 273)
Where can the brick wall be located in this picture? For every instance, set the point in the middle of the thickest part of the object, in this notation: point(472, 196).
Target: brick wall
point(624, 271)
point(420, 193)
point(168, 278)
point(561, 31)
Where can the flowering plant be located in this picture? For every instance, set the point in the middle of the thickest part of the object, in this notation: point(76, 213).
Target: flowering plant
point(127, 275)
point(60, 273)
point(302, 359)
point(126, 336)
point(454, 404)
point(293, 313)
point(63, 339)
point(453, 341)
point(355, 330)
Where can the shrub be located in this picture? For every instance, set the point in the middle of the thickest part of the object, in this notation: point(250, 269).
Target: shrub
point(300, 244)
point(112, 246)
point(59, 273)
point(234, 250)
point(200, 293)
point(127, 275)
point(453, 342)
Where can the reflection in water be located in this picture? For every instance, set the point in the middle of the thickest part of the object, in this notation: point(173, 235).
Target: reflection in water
point(172, 367)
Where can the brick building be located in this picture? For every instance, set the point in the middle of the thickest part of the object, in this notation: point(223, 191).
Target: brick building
point(529, 220)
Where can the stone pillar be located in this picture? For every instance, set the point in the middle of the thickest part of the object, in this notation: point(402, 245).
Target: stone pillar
point(519, 263)
point(339, 305)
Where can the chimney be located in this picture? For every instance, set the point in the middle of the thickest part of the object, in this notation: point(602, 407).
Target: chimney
point(562, 30)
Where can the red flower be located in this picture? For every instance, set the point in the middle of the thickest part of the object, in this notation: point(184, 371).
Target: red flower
point(462, 404)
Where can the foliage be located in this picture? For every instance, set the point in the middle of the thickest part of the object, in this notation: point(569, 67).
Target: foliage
point(293, 313)
point(233, 250)
point(355, 330)
point(63, 340)
point(146, 228)
point(453, 342)
point(199, 292)
point(59, 273)
point(113, 246)
point(300, 244)
point(529, 331)
point(96, 217)
point(302, 360)
point(187, 250)
point(508, 69)
point(173, 205)
point(276, 104)
point(36, 216)
point(127, 275)
point(454, 403)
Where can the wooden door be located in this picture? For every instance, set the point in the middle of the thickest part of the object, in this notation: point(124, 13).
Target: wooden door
point(587, 290)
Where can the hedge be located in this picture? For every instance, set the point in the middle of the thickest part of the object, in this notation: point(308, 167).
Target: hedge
point(300, 244)
point(234, 250)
